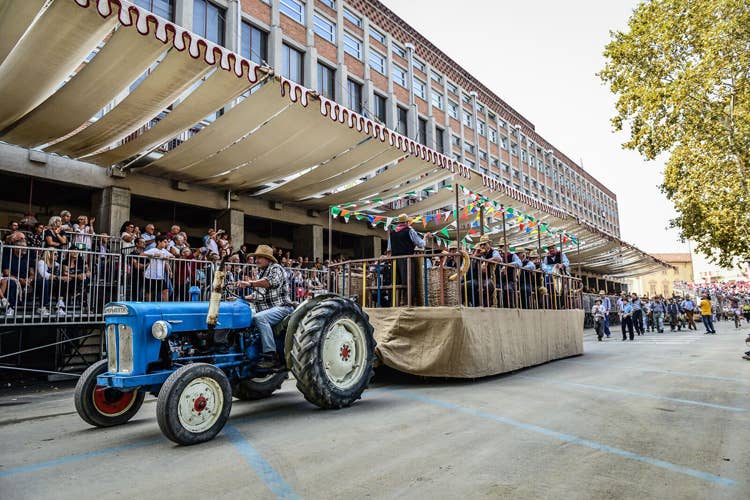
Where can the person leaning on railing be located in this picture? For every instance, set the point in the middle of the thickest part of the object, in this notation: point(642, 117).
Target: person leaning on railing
point(16, 274)
point(49, 280)
point(54, 236)
point(478, 279)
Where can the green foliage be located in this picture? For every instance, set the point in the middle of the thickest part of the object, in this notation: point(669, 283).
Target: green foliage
point(680, 73)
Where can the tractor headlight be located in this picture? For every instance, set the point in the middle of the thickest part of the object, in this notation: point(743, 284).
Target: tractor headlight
point(161, 330)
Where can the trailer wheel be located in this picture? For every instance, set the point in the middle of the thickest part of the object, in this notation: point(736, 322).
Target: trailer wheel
point(259, 388)
point(194, 404)
point(103, 406)
point(333, 352)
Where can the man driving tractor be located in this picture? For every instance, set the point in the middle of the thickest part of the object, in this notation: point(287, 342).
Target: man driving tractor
point(272, 302)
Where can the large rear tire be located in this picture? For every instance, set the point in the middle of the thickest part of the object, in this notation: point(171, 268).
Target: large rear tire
point(194, 404)
point(103, 406)
point(332, 353)
point(259, 388)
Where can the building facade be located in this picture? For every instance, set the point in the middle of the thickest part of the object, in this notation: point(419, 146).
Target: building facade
point(363, 56)
point(663, 282)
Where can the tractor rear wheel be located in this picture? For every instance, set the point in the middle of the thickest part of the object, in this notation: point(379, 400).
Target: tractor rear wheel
point(103, 406)
point(333, 353)
point(260, 387)
point(194, 404)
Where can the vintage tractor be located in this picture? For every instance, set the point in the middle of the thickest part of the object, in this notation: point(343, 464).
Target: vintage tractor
point(196, 356)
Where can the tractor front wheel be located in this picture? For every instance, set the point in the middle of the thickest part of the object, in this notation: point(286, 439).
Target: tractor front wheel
point(103, 406)
point(333, 353)
point(194, 404)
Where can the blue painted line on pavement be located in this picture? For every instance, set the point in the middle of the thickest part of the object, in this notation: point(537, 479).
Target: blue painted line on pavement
point(79, 457)
point(713, 478)
point(617, 390)
point(262, 468)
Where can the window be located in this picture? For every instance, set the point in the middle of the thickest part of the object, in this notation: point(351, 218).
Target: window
point(162, 8)
point(437, 99)
point(469, 163)
point(469, 148)
point(419, 65)
point(354, 98)
point(480, 108)
point(326, 81)
point(352, 46)
point(482, 128)
point(324, 28)
point(452, 88)
point(468, 120)
point(352, 18)
point(523, 155)
point(399, 76)
point(494, 162)
point(438, 78)
point(466, 98)
point(328, 3)
point(420, 89)
point(456, 140)
point(399, 51)
point(483, 155)
point(291, 63)
point(453, 109)
point(401, 126)
point(439, 144)
point(493, 135)
point(422, 131)
point(379, 107)
point(503, 124)
point(377, 62)
point(376, 35)
point(293, 9)
point(254, 43)
point(504, 143)
point(208, 21)
point(514, 149)
point(506, 167)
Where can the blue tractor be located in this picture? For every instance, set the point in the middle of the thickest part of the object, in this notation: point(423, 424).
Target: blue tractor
point(196, 356)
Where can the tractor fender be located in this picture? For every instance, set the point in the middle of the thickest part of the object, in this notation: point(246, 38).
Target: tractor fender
point(295, 318)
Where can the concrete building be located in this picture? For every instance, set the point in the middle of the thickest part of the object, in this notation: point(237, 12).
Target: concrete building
point(662, 282)
point(363, 56)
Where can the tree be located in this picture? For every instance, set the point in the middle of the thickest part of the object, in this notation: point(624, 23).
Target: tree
point(680, 73)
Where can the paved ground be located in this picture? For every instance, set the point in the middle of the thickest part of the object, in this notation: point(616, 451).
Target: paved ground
point(666, 416)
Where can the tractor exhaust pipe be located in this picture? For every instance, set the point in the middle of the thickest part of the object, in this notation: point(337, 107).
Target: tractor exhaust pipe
point(213, 304)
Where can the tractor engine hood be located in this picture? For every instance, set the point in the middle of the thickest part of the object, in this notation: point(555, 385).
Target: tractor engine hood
point(182, 316)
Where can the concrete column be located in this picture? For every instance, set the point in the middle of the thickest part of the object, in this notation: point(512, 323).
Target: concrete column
point(183, 14)
point(367, 88)
point(233, 222)
point(341, 92)
point(412, 116)
point(233, 31)
point(390, 108)
point(370, 246)
point(275, 38)
point(308, 241)
point(310, 63)
point(111, 207)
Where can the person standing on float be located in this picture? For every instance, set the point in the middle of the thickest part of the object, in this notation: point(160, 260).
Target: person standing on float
point(403, 241)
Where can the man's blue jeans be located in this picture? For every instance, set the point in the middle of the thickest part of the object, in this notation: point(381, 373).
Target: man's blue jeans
point(708, 323)
point(659, 320)
point(606, 324)
point(264, 321)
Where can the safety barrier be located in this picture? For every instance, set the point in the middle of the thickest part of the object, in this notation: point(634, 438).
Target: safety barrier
point(450, 279)
point(52, 286)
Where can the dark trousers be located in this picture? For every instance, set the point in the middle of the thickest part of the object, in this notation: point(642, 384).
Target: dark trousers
point(480, 296)
point(638, 321)
point(525, 296)
point(627, 322)
point(708, 323)
point(406, 275)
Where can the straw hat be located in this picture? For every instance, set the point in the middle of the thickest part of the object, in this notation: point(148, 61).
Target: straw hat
point(452, 248)
point(403, 218)
point(485, 239)
point(264, 251)
point(602, 292)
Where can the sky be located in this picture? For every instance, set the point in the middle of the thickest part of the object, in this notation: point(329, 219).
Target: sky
point(541, 57)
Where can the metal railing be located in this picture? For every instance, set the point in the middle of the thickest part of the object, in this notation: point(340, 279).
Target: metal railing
point(430, 280)
point(56, 286)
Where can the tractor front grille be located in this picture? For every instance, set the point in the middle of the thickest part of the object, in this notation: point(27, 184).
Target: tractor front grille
point(119, 349)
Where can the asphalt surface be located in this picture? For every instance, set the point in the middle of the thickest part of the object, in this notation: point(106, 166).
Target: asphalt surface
point(664, 416)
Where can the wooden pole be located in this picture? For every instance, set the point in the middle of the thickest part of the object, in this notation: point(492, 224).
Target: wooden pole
point(458, 239)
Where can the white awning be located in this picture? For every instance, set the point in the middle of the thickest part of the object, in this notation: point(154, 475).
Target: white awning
point(111, 84)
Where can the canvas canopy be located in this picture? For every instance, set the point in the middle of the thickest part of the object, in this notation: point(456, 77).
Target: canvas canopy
point(111, 83)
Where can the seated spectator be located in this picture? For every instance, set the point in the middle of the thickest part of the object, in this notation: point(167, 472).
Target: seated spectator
point(82, 233)
point(16, 275)
point(49, 280)
point(209, 236)
point(13, 226)
point(178, 245)
point(54, 236)
point(36, 239)
point(184, 275)
point(79, 280)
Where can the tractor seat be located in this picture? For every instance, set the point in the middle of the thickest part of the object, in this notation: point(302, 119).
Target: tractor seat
point(280, 328)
